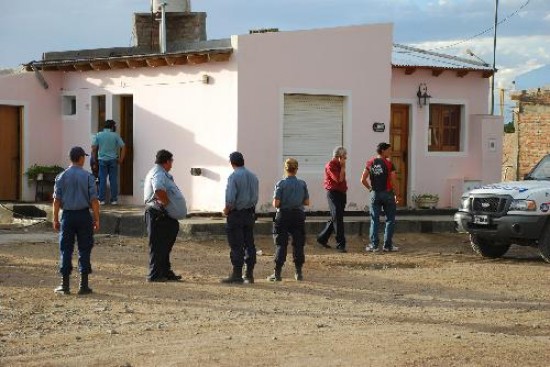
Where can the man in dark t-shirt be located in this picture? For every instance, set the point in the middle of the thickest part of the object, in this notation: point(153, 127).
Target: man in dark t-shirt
point(380, 178)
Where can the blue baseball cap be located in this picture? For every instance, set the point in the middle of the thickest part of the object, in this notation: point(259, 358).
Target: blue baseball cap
point(75, 153)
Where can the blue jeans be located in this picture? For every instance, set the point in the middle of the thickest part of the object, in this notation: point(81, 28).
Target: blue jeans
point(77, 223)
point(108, 168)
point(385, 200)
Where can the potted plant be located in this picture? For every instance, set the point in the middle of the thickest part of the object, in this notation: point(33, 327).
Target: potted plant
point(43, 173)
point(426, 200)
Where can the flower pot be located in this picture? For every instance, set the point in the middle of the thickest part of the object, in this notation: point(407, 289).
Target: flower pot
point(426, 203)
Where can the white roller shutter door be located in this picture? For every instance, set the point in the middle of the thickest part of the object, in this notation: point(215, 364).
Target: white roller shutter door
point(313, 126)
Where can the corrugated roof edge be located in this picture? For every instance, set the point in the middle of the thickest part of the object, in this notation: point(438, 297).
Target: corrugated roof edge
point(436, 58)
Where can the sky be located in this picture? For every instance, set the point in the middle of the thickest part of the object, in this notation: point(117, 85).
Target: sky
point(29, 28)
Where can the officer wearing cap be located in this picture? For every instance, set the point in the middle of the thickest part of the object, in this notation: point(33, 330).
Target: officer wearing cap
point(241, 197)
point(289, 198)
point(164, 206)
point(380, 178)
point(75, 193)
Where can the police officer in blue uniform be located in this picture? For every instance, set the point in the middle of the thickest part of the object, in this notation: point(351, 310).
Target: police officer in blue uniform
point(289, 198)
point(75, 192)
point(241, 197)
point(164, 206)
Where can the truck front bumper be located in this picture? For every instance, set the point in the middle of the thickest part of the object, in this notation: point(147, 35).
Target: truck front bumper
point(505, 228)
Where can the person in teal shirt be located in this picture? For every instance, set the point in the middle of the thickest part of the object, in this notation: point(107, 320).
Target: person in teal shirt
point(109, 151)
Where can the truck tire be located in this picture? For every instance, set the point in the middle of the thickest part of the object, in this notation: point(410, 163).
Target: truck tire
point(544, 244)
point(488, 248)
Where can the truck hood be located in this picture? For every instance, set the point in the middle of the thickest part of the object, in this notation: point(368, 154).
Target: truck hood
point(512, 188)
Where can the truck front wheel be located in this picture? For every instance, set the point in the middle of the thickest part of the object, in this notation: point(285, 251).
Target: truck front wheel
point(488, 248)
point(544, 244)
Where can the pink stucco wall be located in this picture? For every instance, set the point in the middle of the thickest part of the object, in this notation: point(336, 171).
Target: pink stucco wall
point(242, 108)
point(354, 62)
point(444, 173)
point(173, 110)
point(42, 133)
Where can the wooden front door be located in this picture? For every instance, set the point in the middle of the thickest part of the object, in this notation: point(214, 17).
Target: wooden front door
point(127, 135)
point(10, 152)
point(399, 140)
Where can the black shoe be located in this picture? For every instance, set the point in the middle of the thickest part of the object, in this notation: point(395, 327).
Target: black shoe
point(274, 278)
point(157, 280)
point(172, 277)
point(83, 291)
point(298, 275)
point(341, 249)
point(62, 290)
point(233, 280)
point(323, 244)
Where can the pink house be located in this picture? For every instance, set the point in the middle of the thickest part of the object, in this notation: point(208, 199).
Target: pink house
point(268, 94)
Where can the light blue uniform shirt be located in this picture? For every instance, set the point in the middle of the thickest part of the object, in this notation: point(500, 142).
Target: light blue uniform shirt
point(242, 189)
point(291, 192)
point(75, 188)
point(108, 143)
point(158, 179)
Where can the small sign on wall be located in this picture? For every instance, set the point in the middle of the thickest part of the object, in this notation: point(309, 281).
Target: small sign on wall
point(492, 144)
point(378, 127)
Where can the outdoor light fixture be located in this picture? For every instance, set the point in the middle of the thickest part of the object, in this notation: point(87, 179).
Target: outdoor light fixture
point(422, 94)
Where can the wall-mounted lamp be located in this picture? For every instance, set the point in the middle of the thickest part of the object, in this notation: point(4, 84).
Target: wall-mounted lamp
point(196, 171)
point(422, 94)
point(205, 79)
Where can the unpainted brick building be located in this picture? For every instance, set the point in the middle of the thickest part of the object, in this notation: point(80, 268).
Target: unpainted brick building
point(531, 140)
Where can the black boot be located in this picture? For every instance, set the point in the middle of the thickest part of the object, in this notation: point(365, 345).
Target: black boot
point(64, 286)
point(249, 275)
point(84, 289)
point(298, 274)
point(276, 276)
point(236, 277)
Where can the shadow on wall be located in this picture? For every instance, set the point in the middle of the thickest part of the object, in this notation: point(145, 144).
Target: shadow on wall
point(152, 133)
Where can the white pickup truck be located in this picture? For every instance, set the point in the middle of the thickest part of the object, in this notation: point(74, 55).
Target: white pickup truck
point(509, 213)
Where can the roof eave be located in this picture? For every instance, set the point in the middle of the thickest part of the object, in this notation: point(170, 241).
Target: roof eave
point(133, 61)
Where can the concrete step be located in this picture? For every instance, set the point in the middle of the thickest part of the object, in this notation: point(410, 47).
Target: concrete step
point(129, 220)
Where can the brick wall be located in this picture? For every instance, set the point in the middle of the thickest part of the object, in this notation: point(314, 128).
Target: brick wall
point(180, 27)
point(532, 136)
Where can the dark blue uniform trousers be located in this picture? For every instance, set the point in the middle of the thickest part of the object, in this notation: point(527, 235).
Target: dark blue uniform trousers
point(240, 236)
point(79, 224)
point(289, 222)
point(163, 231)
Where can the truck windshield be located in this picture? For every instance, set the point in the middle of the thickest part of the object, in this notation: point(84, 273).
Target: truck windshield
point(541, 170)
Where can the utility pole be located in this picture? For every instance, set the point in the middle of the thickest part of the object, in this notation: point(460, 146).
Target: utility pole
point(494, 60)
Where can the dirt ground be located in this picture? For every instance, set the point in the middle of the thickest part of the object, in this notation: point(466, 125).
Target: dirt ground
point(434, 303)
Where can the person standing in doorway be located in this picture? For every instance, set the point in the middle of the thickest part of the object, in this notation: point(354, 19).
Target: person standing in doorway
point(75, 192)
point(241, 197)
point(289, 198)
point(336, 186)
point(164, 206)
point(380, 178)
point(109, 151)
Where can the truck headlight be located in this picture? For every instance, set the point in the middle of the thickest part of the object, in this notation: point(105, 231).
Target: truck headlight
point(464, 203)
point(523, 205)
